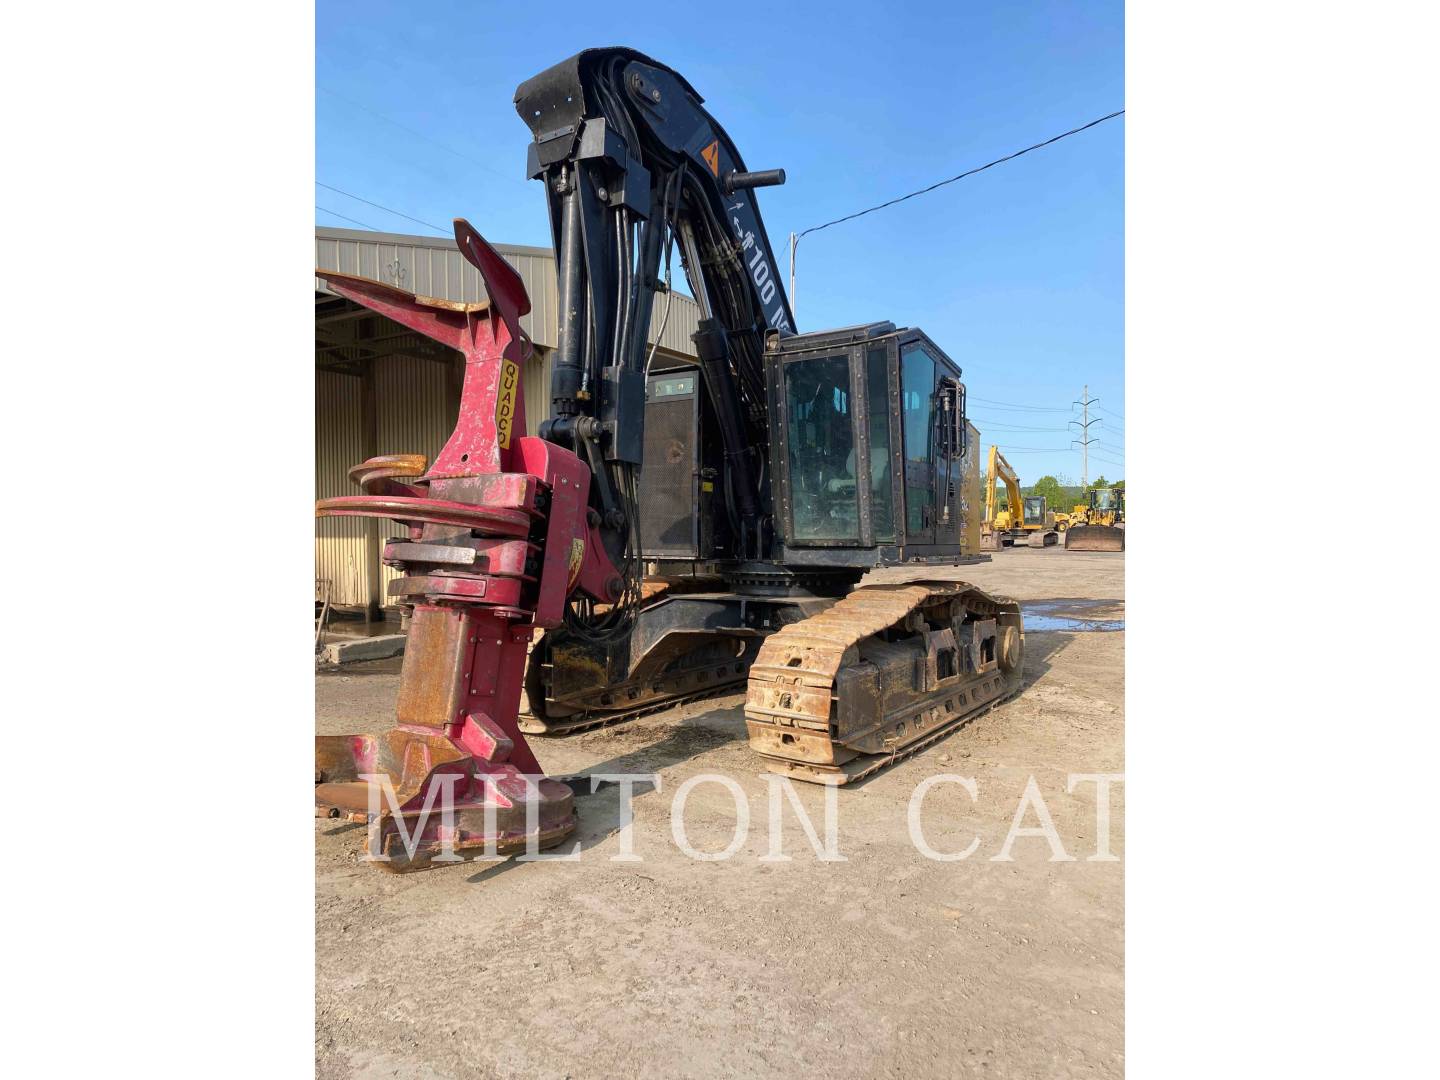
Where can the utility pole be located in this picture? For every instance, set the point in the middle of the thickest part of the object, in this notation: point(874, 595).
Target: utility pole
point(1084, 441)
point(794, 243)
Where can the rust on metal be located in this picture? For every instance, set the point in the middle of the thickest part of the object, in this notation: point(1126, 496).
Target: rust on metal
point(432, 689)
point(371, 475)
point(879, 675)
point(431, 511)
point(379, 289)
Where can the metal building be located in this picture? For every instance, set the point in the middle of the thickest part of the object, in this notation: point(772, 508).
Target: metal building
point(383, 389)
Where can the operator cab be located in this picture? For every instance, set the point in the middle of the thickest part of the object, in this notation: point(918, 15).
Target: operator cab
point(870, 463)
point(1104, 499)
point(1034, 510)
point(869, 450)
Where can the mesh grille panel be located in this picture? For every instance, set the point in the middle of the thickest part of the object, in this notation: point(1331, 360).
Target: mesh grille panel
point(667, 482)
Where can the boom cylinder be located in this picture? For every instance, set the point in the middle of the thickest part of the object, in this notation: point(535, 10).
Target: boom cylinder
point(713, 349)
point(565, 377)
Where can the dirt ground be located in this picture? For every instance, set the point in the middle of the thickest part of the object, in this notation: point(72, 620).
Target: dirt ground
point(886, 964)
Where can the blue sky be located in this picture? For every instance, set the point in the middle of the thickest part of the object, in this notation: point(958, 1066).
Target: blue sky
point(1018, 273)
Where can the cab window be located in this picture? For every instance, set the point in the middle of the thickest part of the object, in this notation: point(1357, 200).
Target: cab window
point(824, 502)
point(917, 414)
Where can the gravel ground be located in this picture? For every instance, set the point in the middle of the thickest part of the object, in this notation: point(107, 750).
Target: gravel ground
point(885, 964)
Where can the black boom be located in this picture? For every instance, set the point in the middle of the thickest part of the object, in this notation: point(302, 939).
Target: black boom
point(631, 161)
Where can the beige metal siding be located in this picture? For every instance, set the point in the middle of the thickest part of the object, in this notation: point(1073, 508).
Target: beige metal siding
point(678, 329)
point(339, 542)
point(536, 387)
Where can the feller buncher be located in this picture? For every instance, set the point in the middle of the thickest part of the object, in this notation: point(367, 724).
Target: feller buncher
point(1100, 524)
point(1036, 524)
point(765, 481)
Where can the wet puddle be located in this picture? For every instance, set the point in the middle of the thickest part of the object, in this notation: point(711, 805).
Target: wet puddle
point(1075, 616)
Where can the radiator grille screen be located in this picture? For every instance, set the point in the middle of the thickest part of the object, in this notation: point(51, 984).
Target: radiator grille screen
point(667, 483)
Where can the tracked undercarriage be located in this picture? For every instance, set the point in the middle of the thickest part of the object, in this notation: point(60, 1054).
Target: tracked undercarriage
point(693, 639)
point(880, 675)
point(837, 688)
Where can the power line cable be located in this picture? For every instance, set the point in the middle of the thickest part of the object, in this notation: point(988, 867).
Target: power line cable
point(397, 213)
point(1016, 404)
point(342, 217)
point(1021, 408)
point(991, 425)
point(1114, 425)
point(419, 135)
point(968, 172)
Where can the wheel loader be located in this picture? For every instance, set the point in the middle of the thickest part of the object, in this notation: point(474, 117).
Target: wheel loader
point(1099, 525)
point(762, 482)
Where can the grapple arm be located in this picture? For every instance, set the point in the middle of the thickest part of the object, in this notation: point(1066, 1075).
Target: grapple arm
point(500, 534)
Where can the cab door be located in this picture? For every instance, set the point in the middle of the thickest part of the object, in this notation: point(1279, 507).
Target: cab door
point(917, 424)
point(949, 456)
point(934, 460)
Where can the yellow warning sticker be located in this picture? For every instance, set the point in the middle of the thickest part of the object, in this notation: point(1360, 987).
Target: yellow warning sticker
point(505, 402)
point(577, 559)
point(711, 154)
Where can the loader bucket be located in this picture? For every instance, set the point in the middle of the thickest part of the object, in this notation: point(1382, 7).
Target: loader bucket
point(1042, 538)
point(1094, 538)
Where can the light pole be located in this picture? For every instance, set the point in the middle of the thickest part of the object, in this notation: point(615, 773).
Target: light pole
point(794, 243)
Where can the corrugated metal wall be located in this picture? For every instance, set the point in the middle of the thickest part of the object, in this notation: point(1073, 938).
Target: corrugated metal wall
point(339, 542)
point(431, 266)
point(680, 328)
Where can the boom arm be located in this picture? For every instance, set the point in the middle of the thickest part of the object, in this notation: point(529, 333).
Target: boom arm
point(1000, 468)
point(631, 161)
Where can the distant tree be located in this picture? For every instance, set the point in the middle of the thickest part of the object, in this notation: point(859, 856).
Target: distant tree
point(1053, 491)
point(1101, 482)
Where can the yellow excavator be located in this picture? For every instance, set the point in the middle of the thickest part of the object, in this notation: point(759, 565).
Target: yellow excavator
point(1035, 524)
point(1099, 525)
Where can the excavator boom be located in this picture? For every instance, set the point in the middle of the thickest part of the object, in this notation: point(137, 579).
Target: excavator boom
point(1025, 516)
